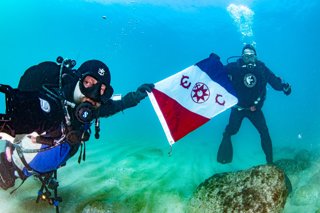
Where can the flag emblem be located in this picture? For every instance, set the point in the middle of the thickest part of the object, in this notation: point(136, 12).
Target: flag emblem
point(200, 93)
point(191, 97)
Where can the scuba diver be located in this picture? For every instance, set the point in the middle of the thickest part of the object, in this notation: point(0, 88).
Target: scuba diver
point(249, 77)
point(49, 117)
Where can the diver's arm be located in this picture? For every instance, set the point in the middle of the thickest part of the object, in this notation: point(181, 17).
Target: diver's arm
point(129, 100)
point(112, 107)
point(275, 81)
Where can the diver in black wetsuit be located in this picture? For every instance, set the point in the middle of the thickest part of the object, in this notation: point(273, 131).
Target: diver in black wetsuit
point(249, 78)
point(60, 105)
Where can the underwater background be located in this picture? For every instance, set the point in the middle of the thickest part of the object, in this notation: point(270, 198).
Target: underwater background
point(128, 169)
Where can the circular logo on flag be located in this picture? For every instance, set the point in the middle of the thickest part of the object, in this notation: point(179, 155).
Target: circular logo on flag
point(200, 93)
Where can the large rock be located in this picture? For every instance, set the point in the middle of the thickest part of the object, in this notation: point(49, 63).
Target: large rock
point(260, 189)
point(301, 161)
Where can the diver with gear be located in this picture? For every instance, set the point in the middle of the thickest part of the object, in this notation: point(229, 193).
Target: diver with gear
point(249, 77)
point(49, 116)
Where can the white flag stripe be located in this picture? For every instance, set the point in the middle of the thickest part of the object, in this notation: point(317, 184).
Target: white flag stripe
point(172, 87)
point(161, 118)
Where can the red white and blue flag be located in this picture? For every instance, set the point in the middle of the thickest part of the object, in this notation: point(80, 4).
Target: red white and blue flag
point(190, 98)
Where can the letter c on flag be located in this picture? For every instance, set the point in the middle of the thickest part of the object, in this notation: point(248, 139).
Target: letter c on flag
point(185, 83)
point(219, 102)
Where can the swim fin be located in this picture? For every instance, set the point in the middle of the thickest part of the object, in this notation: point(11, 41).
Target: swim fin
point(225, 152)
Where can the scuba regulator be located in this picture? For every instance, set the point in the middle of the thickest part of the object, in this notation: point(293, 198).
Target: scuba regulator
point(85, 112)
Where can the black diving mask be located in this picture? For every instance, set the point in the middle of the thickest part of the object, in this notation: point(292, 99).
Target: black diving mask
point(249, 58)
point(92, 92)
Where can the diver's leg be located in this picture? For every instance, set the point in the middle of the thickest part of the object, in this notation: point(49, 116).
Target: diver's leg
point(7, 177)
point(258, 120)
point(225, 152)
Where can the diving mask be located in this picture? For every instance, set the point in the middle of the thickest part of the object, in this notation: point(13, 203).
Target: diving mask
point(249, 56)
point(94, 89)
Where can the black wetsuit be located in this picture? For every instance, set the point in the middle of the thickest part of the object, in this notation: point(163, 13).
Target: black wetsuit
point(34, 109)
point(249, 82)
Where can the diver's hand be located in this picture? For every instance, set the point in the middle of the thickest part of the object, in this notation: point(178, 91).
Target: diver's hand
point(141, 92)
point(253, 108)
point(145, 88)
point(133, 98)
point(215, 56)
point(286, 88)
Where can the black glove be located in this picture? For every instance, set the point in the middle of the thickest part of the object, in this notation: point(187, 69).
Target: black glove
point(215, 56)
point(141, 92)
point(286, 88)
point(133, 98)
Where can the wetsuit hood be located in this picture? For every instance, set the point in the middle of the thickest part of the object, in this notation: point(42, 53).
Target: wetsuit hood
point(69, 84)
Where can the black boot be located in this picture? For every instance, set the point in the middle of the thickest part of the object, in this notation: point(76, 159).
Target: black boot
point(225, 152)
point(7, 177)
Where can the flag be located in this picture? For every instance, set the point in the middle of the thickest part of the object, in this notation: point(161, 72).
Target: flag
point(191, 97)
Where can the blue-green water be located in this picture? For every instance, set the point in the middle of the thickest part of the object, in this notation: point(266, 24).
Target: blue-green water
point(147, 41)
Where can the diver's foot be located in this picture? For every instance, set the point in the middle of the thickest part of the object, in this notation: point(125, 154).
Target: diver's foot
point(269, 160)
point(223, 160)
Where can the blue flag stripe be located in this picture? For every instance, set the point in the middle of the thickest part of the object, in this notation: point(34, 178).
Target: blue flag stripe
point(215, 70)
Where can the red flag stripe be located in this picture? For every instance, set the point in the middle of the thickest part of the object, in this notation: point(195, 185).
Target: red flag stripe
point(180, 120)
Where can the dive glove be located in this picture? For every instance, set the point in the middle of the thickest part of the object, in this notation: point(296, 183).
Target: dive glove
point(141, 92)
point(133, 98)
point(286, 88)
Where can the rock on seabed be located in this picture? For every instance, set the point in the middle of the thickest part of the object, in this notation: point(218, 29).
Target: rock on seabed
point(259, 189)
